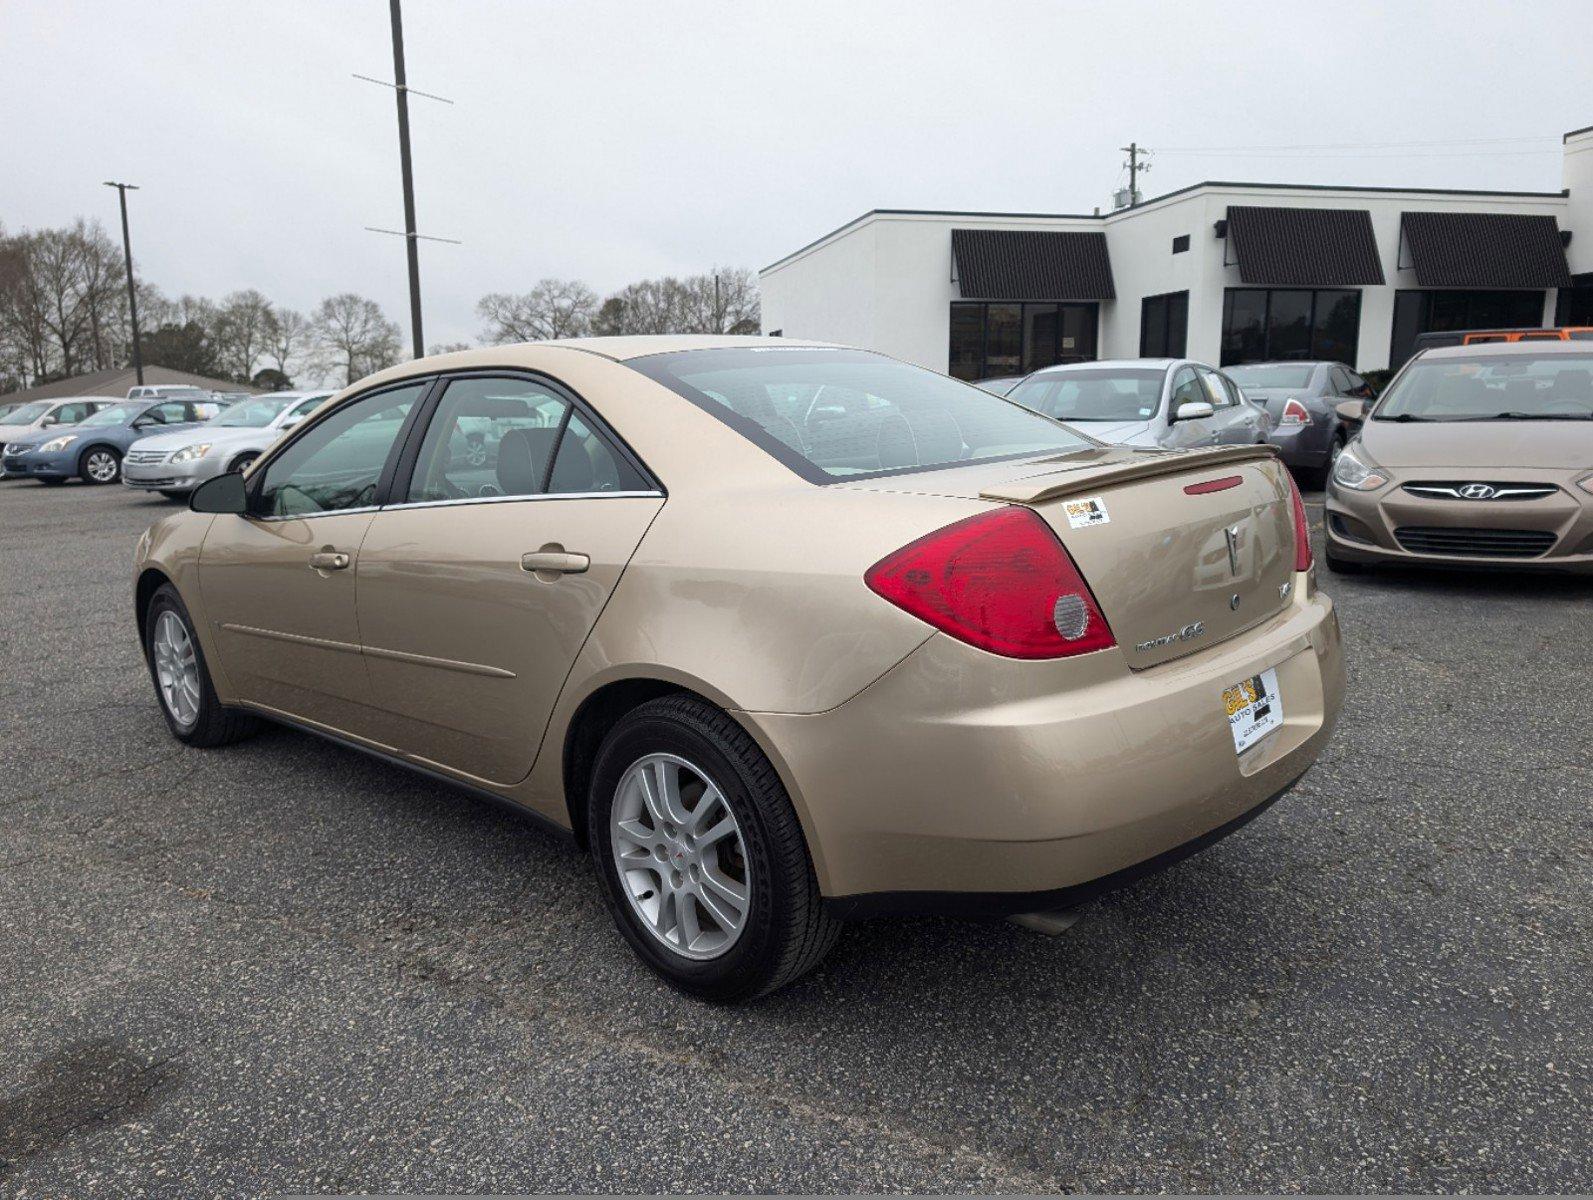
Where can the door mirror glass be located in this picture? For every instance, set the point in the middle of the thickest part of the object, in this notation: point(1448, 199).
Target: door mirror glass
point(1351, 410)
point(223, 494)
point(1193, 410)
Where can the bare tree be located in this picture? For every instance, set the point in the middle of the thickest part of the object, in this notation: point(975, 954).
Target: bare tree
point(241, 332)
point(354, 337)
point(447, 347)
point(287, 338)
point(554, 308)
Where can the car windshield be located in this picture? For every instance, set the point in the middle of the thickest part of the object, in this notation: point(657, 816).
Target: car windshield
point(251, 414)
point(1271, 375)
point(834, 414)
point(1519, 387)
point(116, 414)
point(1098, 394)
point(29, 413)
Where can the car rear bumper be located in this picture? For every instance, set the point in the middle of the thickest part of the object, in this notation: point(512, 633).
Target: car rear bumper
point(1393, 526)
point(1303, 446)
point(961, 781)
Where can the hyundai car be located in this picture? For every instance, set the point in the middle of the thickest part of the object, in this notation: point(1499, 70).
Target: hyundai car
point(775, 668)
point(1476, 456)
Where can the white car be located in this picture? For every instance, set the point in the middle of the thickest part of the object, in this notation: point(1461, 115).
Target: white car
point(173, 464)
point(39, 415)
point(1160, 403)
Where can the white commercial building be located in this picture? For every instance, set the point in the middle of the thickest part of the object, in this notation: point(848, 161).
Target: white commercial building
point(1223, 272)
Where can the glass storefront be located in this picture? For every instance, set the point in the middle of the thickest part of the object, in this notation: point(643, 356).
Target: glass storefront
point(1265, 324)
point(1439, 311)
point(1164, 325)
point(993, 339)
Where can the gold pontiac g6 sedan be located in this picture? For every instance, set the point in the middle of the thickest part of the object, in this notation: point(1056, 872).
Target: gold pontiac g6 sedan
point(784, 634)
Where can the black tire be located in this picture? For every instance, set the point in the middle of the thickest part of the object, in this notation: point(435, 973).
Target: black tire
point(215, 725)
point(88, 460)
point(242, 462)
point(787, 930)
point(175, 495)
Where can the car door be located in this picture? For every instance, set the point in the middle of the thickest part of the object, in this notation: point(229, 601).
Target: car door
point(1187, 388)
point(1229, 425)
point(1251, 418)
point(279, 582)
point(479, 584)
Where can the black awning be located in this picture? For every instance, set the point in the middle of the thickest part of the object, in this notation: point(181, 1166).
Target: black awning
point(1304, 247)
point(1032, 264)
point(1485, 250)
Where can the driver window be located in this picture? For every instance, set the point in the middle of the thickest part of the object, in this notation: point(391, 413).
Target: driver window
point(338, 462)
point(1216, 395)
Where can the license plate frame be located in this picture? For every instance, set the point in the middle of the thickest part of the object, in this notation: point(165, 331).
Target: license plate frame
point(1255, 708)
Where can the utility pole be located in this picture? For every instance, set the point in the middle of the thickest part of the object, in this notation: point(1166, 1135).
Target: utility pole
point(1134, 150)
point(719, 313)
point(132, 292)
point(401, 89)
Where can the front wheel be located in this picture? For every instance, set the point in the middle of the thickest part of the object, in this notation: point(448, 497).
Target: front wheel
point(242, 463)
point(182, 680)
point(100, 464)
point(703, 863)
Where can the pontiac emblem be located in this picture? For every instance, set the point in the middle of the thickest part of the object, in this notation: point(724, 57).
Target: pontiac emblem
point(1232, 534)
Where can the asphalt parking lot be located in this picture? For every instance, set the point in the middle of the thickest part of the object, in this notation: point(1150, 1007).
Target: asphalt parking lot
point(285, 967)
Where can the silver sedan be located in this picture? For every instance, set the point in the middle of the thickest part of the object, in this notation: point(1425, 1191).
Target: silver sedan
point(1168, 403)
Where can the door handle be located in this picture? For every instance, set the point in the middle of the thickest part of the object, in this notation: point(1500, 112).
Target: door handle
point(328, 560)
point(559, 562)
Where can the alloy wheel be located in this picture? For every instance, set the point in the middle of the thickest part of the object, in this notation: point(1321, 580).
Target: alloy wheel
point(101, 466)
point(680, 856)
point(176, 669)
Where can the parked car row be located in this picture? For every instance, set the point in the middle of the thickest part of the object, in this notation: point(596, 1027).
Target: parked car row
point(1178, 403)
point(165, 444)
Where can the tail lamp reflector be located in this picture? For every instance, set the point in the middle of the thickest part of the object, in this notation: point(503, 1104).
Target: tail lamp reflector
point(1000, 581)
point(1294, 413)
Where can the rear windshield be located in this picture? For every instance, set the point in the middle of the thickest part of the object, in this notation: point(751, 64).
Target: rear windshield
point(845, 414)
point(1096, 394)
point(1519, 387)
point(1271, 375)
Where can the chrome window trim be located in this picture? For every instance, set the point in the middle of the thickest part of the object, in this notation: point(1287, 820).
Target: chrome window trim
point(656, 495)
point(330, 512)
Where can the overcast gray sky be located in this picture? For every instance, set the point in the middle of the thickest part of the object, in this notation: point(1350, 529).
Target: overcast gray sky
point(612, 141)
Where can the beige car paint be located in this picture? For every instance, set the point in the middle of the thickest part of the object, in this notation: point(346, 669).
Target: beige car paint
point(914, 761)
point(1557, 453)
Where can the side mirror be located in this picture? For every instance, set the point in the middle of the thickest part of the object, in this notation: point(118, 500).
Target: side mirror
point(223, 494)
point(1353, 411)
point(1194, 410)
point(48, 421)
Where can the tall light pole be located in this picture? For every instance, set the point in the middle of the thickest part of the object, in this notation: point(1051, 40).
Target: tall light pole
point(132, 292)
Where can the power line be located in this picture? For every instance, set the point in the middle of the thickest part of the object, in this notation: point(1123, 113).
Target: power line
point(1302, 146)
point(1237, 153)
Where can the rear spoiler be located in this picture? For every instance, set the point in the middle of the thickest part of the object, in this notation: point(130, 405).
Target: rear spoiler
point(1115, 466)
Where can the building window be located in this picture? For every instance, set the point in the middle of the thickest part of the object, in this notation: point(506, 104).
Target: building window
point(1259, 324)
point(1181, 243)
point(990, 340)
point(1439, 311)
point(1163, 325)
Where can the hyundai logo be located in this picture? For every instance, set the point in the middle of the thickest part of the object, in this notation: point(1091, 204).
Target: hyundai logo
point(1477, 491)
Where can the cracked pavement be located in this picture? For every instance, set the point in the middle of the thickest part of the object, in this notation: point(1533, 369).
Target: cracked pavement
point(285, 967)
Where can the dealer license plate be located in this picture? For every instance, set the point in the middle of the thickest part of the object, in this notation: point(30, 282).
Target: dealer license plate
point(1254, 709)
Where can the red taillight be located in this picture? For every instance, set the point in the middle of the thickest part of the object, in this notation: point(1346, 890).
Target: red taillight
point(1294, 413)
point(1302, 529)
point(1000, 581)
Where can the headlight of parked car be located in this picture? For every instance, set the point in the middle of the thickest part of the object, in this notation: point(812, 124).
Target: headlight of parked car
point(60, 443)
point(1356, 472)
point(189, 453)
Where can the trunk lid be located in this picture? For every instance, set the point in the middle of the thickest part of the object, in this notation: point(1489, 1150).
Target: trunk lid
point(1156, 556)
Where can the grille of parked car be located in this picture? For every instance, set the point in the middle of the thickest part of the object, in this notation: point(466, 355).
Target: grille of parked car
point(1469, 489)
point(1482, 543)
point(145, 457)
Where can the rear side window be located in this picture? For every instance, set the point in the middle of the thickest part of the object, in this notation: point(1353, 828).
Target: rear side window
point(836, 414)
point(514, 437)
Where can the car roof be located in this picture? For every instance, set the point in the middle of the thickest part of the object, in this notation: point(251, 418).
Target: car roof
point(1532, 349)
point(1289, 362)
point(1154, 363)
point(96, 399)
